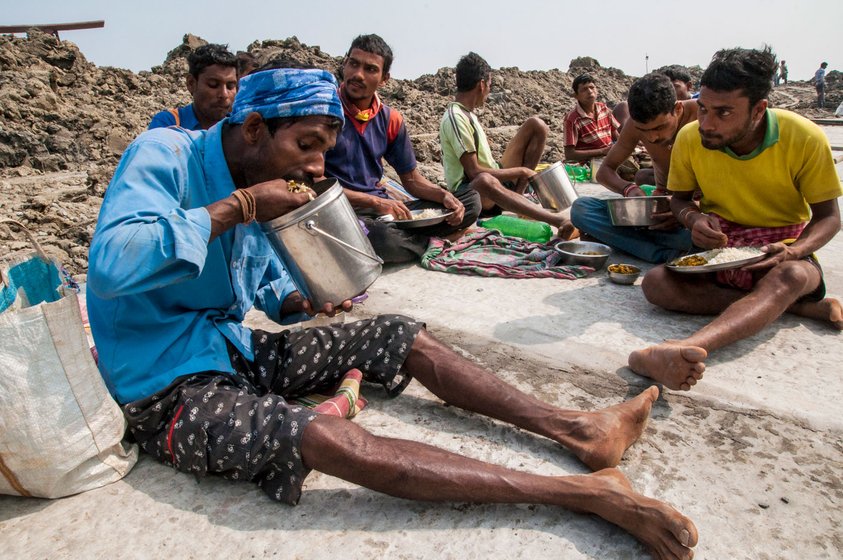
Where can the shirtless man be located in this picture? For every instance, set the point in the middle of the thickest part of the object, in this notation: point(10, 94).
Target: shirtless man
point(767, 177)
point(656, 118)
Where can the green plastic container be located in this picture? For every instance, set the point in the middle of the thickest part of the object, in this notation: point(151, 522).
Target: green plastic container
point(578, 173)
point(530, 230)
point(648, 189)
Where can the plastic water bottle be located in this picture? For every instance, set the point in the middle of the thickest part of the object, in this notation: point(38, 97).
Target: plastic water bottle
point(530, 230)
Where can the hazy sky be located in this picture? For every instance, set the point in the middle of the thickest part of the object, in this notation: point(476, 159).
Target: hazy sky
point(426, 35)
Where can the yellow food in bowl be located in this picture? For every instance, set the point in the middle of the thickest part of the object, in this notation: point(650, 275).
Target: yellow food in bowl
point(623, 269)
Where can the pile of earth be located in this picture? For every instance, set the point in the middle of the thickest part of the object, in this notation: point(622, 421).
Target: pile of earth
point(64, 122)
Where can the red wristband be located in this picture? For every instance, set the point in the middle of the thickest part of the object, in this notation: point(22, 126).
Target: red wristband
point(628, 188)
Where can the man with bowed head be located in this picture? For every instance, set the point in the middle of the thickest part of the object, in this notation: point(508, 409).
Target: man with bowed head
point(177, 260)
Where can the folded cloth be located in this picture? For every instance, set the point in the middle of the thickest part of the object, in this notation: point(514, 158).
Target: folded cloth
point(743, 236)
point(346, 401)
point(487, 253)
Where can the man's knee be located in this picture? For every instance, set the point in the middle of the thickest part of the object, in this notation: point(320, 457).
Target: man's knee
point(485, 184)
point(791, 279)
point(657, 286)
point(537, 127)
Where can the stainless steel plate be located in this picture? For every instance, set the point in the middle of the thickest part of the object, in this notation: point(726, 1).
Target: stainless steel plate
point(411, 224)
point(713, 267)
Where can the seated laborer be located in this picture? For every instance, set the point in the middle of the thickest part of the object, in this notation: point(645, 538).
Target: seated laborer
point(212, 83)
point(374, 131)
point(590, 127)
point(656, 117)
point(467, 157)
point(177, 260)
point(767, 179)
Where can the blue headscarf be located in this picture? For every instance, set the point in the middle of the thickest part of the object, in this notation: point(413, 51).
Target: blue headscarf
point(287, 92)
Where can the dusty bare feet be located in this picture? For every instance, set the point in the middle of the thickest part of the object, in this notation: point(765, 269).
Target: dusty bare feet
point(670, 363)
point(828, 310)
point(668, 534)
point(605, 435)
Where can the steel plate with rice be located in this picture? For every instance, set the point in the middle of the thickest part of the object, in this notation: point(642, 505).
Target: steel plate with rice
point(716, 259)
point(422, 218)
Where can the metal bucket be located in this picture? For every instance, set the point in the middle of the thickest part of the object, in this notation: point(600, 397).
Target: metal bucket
point(554, 188)
point(327, 254)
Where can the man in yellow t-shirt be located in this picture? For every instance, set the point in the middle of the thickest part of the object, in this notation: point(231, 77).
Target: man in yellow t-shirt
point(767, 179)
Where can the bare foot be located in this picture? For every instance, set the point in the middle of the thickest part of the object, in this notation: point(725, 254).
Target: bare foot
point(670, 363)
point(828, 310)
point(567, 232)
point(668, 534)
point(605, 435)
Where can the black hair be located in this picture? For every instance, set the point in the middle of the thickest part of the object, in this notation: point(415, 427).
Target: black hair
point(373, 44)
point(246, 63)
point(208, 55)
point(675, 72)
point(580, 80)
point(651, 96)
point(824, 64)
point(472, 69)
point(749, 70)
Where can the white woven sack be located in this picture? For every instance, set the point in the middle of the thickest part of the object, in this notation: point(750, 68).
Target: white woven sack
point(60, 431)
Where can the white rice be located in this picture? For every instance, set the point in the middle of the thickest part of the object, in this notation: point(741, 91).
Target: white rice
point(428, 213)
point(731, 254)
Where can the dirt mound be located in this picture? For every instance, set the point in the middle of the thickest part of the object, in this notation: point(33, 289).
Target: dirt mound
point(65, 122)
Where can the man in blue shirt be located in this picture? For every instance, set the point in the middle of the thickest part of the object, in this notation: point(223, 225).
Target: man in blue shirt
point(176, 261)
point(373, 132)
point(212, 82)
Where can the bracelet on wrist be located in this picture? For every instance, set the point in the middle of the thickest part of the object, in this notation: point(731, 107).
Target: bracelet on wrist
point(628, 188)
point(682, 217)
point(248, 207)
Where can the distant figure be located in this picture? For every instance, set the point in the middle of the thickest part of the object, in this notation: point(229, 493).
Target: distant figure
point(468, 159)
point(212, 82)
point(783, 72)
point(590, 127)
point(681, 80)
point(374, 132)
point(246, 64)
point(768, 180)
point(777, 78)
point(819, 83)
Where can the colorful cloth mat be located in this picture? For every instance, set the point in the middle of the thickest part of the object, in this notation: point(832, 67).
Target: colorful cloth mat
point(346, 401)
point(487, 253)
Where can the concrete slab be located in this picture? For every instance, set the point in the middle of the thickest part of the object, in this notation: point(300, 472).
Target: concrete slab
point(754, 455)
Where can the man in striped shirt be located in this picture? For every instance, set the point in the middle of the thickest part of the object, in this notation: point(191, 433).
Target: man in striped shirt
point(590, 127)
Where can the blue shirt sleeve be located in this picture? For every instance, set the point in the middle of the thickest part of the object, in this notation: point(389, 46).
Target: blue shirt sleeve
point(146, 237)
point(275, 288)
point(162, 120)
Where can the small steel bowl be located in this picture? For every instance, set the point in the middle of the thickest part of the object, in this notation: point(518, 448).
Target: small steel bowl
point(621, 278)
point(573, 253)
point(636, 210)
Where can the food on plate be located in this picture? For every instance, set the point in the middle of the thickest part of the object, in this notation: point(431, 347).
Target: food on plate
point(425, 214)
point(622, 269)
point(718, 256)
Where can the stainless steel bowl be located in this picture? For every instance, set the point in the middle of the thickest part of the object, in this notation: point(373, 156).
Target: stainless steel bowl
point(621, 278)
point(636, 210)
point(574, 252)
